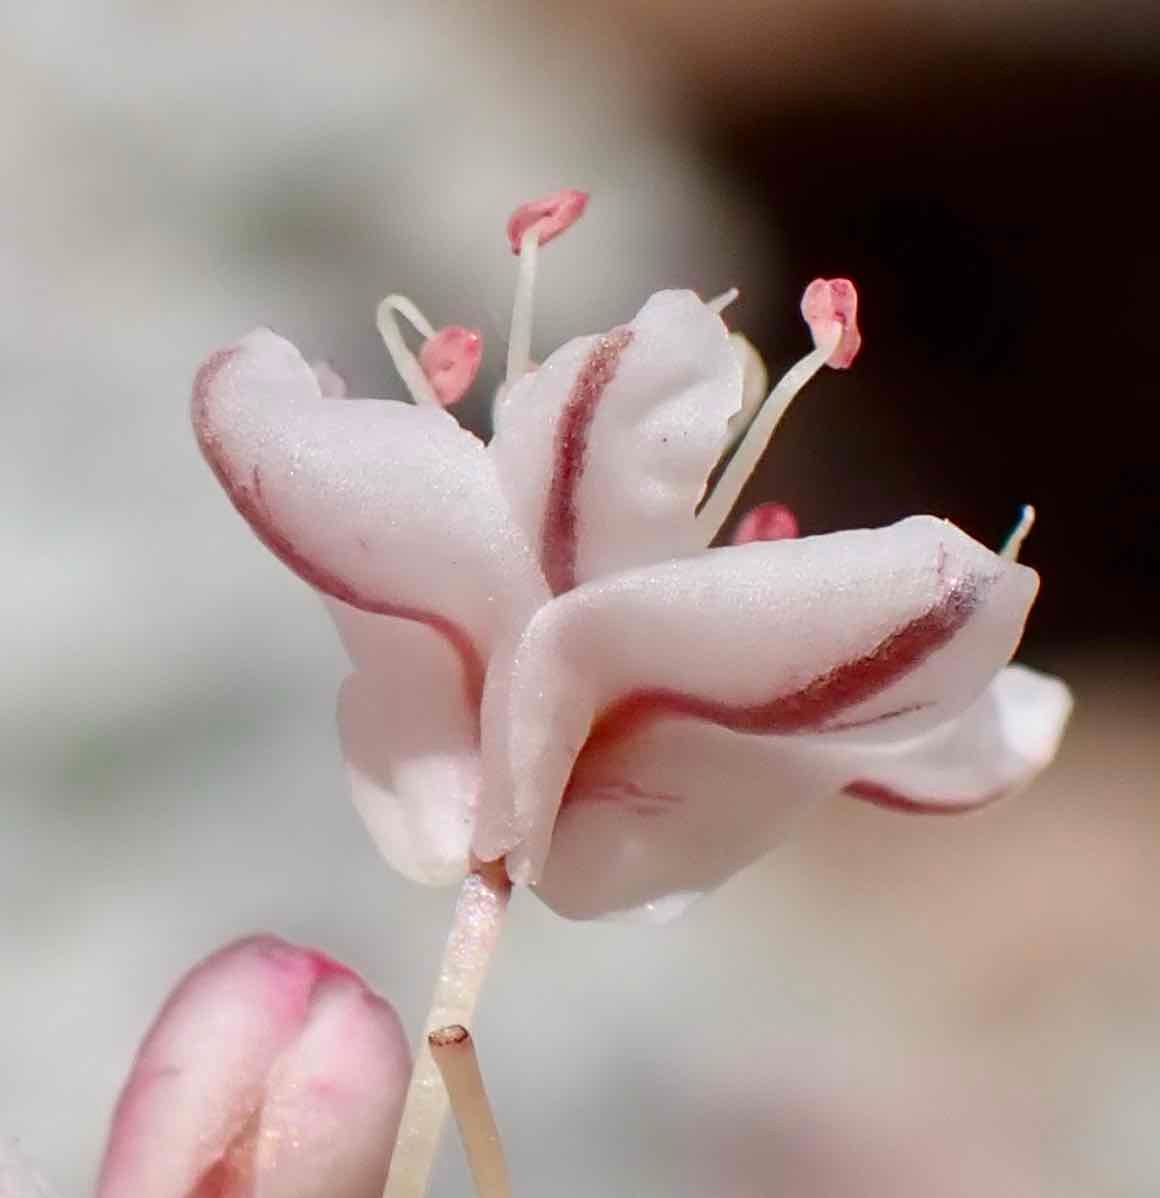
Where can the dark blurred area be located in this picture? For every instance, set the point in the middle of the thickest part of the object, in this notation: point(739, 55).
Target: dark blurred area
point(986, 178)
point(996, 214)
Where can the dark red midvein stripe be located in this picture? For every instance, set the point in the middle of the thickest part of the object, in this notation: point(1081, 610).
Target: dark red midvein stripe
point(874, 720)
point(561, 519)
point(821, 700)
point(894, 800)
point(247, 498)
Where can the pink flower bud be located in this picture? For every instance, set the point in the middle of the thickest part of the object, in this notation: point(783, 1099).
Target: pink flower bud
point(551, 216)
point(270, 1070)
point(766, 522)
point(450, 361)
point(834, 301)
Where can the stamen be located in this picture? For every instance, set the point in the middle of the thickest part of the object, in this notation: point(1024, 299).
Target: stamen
point(829, 307)
point(720, 302)
point(766, 522)
point(1018, 534)
point(532, 225)
point(520, 336)
point(405, 362)
point(450, 361)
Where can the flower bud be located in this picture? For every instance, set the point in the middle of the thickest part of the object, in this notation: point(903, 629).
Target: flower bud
point(271, 1070)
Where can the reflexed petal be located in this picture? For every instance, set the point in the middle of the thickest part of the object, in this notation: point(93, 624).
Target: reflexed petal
point(411, 744)
point(604, 450)
point(674, 809)
point(890, 631)
point(188, 1121)
point(334, 1099)
point(391, 508)
point(679, 806)
point(997, 745)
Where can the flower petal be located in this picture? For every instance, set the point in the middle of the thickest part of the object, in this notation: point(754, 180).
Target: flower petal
point(391, 508)
point(677, 807)
point(411, 744)
point(884, 633)
point(1009, 734)
point(604, 450)
point(334, 1098)
point(672, 810)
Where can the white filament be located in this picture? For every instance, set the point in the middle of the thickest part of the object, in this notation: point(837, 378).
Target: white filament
point(519, 353)
point(1018, 534)
point(720, 302)
point(405, 361)
point(744, 461)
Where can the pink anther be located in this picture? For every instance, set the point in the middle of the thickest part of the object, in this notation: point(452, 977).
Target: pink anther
point(550, 216)
point(829, 301)
point(450, 360)
point(766, 522)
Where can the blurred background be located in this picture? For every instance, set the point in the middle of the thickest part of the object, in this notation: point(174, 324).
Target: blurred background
point(887, 1007)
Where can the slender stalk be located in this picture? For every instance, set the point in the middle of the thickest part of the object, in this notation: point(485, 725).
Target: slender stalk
point(721, 501)
point(519, 353)
point(454, 1053)
point(1014, 542)
point(474, 932)
point(405, 361)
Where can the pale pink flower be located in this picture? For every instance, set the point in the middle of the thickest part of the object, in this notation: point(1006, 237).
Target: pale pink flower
point(271, 1070)
point(554, 668)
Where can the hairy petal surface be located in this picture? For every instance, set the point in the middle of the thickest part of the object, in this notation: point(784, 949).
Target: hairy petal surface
point(189, 1123)
point(411, 744)
point(1009, 734)
point(604, 450)
point(881, 633)
point(391, 508)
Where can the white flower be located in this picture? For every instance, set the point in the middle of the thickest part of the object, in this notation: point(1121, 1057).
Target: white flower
point(553, 668)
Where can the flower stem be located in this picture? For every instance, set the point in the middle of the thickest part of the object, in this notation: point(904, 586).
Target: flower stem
point(454, 1053)
point(474, 932)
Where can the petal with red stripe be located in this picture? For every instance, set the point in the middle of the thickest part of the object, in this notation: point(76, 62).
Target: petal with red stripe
point(876, 634)
point(604, 450)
